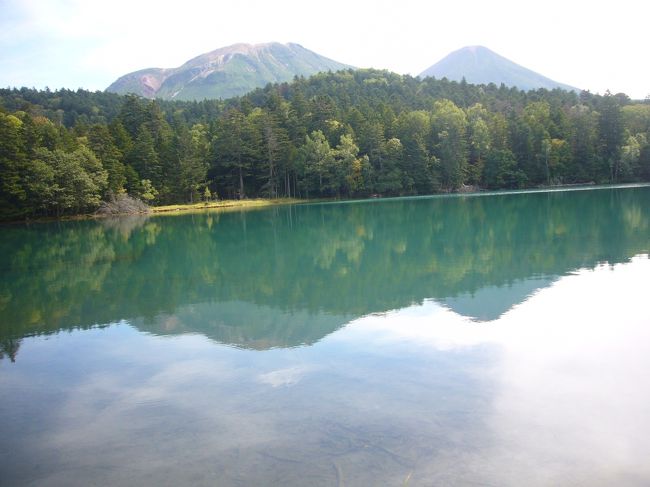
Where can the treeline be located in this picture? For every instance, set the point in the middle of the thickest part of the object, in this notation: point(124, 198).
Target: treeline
point(351, 133)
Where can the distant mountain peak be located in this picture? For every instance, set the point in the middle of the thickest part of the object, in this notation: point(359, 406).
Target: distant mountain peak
point(480, 65)
point(475, 48)
point(226, 72)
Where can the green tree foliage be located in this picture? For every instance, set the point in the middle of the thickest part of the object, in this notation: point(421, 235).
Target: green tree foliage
point(413, 130)
point(12, 165)
point(636, 118)
point(583, 136)
point(144, 158)
point(449, 127)
point(192, 153)
point(317, 166)
point(133, 115)
point(351, 133)
point(68, 182)
point(146, 190)
point(101, 143)
point(478, 136)
point(630, 159)
point(501, 170)
point(351, 170)
point(274, 154)
point(610, 125)
point(389, 174)
point(234, 149)
point(535, 125)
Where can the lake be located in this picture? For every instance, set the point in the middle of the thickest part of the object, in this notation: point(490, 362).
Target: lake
point(493, 339)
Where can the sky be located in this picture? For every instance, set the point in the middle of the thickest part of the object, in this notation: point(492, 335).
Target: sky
point(597, 45)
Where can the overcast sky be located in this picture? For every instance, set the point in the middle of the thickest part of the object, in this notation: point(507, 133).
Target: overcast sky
point(593, 45)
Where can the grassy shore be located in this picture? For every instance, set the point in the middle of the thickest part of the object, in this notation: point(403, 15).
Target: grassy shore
point(221, 205)
point(226, 205)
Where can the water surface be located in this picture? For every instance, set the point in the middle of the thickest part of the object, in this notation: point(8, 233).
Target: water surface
point(498, 339)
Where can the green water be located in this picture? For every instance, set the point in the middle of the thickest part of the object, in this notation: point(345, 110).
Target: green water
point(494, 339)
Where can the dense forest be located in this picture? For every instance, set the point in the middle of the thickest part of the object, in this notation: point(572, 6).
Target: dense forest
point(346, 134)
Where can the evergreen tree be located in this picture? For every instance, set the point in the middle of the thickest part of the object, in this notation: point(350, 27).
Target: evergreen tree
point(610, 128)
point(316, 164)
point(478, 135)
point(334, 134)
point(12, 165)
point(232, 151)
point(144, 158)
point(101, 143)
point(413, 130)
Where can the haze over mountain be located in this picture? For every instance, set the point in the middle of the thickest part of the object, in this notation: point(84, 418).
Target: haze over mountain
point(480, 65)
point(226, 72)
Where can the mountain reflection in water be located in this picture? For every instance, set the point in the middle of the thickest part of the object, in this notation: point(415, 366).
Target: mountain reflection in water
point(490, 340)
point(291, 275)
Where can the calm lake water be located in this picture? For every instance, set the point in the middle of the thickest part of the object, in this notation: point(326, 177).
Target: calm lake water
point(489, 340)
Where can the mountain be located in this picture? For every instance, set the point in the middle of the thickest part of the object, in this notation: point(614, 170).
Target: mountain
point(226, 72)
point(479, 65)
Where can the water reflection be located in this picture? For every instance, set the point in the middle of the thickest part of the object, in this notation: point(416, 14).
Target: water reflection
point(570, 379)
point(291, 275)
point(557, 386)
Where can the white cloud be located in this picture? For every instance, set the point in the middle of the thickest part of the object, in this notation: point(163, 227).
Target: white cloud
point(569, 380)
point(288, 376)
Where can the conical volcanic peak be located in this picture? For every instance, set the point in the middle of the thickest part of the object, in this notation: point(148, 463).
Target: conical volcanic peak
point(480, 65)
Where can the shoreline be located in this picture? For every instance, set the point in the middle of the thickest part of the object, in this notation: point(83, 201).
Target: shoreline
point(261, 203)
point(226, 205)
point(222, 205)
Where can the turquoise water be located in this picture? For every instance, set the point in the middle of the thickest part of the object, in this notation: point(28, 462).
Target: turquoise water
point(497, 339)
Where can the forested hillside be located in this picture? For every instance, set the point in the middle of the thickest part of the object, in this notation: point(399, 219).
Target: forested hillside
point(345, 134)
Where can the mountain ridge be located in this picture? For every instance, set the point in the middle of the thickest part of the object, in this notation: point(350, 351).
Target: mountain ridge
point(226, 72)
point(480, 65)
